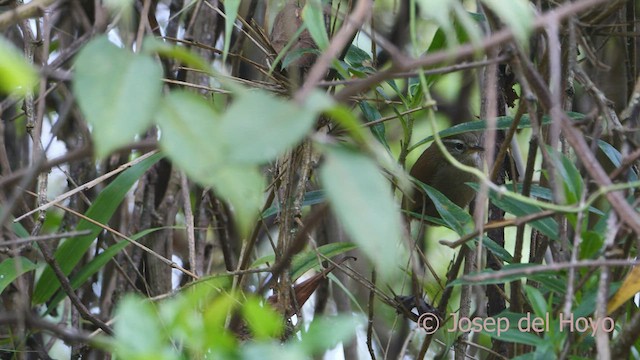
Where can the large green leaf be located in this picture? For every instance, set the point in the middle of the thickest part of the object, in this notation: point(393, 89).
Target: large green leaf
point(243, 187)
point(72, 250)
point(139, 334)
point(258, 127)
point(361, 198)
point(192, 137)
point(117, 91)
point(16, 75)
point(11, 268)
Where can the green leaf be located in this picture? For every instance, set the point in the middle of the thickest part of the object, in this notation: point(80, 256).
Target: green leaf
point(190, 134)
point(139, 333)
point(465, 279)
point(308, 260)
point(344, 117)
point(372, 114)
point(361, 198)
point(16, 75)
point(96, 265)
point(456, 218)
point(591, 244)
point(616, 158)
point(296, 54)
point(11, 268)
point(258, 127)
point(153, 46)
point(537, 301)
point(440, 12)
point(71, 251)
point(118, 92)
point(502, 123)
point(18, 229)
point(356, 56)
point(496, 249)
point(571, 177)
point(310, 198)
point(313, 18)
point(243, 187)
point(541, 192)
point(517, 14)
point(263, 321)
point(327, 332)
point(517, 336)
point(547, 226)
point(231, 11)
point(555, 282)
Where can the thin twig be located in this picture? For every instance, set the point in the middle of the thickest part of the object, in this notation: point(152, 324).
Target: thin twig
point(87, 186)
point(546, 268)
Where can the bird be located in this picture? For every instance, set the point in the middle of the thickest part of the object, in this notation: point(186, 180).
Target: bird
point(433, 169)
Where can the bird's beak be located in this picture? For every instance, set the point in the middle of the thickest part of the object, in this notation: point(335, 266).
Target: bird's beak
point(476, 149)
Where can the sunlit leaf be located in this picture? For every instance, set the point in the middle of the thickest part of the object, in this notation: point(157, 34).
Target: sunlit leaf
point(16, 75)
point(153, 45)
point(263, 321)
point(630, 287)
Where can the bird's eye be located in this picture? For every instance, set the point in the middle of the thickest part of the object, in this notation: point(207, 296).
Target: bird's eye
point(459, 146)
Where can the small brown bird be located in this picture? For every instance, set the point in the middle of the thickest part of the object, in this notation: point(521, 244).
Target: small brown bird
point(433, 169)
